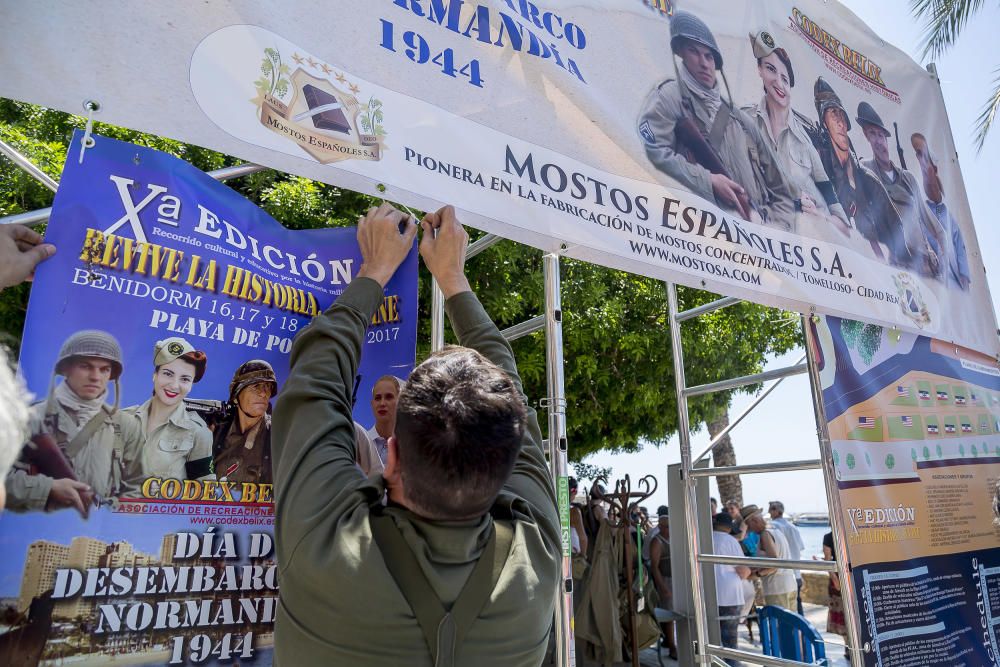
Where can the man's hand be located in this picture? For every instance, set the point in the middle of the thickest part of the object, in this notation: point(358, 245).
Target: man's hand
point(444, 251)
point(729, 192)
point(383, 246)
point(931, 262)
point(21, 249)
point(808, 204)
point(70, 493)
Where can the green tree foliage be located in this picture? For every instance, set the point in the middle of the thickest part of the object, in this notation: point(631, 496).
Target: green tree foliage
point(592, 472)
point(618, 367)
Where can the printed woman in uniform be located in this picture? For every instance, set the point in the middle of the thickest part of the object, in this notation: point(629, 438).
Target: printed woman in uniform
point(817, 210)
point(178, 444)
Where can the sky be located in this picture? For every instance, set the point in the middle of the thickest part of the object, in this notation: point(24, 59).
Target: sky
point(782, 427)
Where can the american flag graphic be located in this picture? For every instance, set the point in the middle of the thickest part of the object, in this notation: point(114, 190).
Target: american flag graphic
point(907, 421)
point(942, 396)
point(959, 399)
point(932, 428)
point(924, 395)
point(949, 428)
point(902, 392)
point(866, 422)
point(966, 428)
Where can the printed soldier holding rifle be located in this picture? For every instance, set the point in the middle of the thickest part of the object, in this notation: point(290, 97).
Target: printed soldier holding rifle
point(709, 146)
point(80, 447)
point(924, 235)
point(242, 440)
point(859, 190)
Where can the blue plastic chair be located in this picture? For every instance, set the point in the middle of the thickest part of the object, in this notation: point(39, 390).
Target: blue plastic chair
point(785, 634)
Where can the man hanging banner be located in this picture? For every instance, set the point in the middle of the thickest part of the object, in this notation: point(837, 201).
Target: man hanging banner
point(914, 425)
point(140, 513)
point(780, 152)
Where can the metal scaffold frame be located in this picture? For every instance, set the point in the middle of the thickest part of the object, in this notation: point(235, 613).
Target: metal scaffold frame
point(705, 652)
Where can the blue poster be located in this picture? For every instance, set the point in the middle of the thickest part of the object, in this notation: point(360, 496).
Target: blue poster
point(140, 513)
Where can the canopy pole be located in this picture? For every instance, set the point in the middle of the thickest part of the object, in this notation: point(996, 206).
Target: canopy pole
point(558, 450)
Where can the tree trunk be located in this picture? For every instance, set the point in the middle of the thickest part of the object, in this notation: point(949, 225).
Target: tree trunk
point(730, 486)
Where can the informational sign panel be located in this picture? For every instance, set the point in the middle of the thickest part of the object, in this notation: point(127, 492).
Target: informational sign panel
point(155, 340)
point(776, 151)
point(914, 425)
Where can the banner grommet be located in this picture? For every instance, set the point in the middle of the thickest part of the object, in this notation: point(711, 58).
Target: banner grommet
point(91, 107)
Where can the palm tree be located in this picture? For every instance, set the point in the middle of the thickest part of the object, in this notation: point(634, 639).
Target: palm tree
point(945, 21)
point(723, 454)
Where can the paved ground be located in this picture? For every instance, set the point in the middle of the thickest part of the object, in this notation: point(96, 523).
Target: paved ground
point(814, 613)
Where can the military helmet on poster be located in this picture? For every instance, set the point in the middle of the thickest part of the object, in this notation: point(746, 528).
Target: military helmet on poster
point(868, 116)
point(255, 371)
point(826, 99)
point(91, 343)
point(685, 25)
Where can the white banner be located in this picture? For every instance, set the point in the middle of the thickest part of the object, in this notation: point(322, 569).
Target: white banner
point(779, 152)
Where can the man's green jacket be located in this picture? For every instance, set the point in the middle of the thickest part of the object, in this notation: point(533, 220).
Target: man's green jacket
point(339, 604)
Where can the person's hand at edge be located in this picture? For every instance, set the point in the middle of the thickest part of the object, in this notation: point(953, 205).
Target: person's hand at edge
point(383, 246)
point(69, 493)
point(442, 245)
point(21, 250)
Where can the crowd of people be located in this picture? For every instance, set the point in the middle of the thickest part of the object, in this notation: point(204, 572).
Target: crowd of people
point(737, 530)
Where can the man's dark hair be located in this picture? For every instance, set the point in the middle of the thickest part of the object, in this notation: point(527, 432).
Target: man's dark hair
point(459, 423)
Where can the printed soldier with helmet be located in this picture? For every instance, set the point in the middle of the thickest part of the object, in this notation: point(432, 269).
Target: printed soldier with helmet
point(242, 440)
point(693, 134)
point(80, 448)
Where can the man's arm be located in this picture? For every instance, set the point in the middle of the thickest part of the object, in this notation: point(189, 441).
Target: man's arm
point(576, 521)
point(656, 129)
point(133, 442)
point(961, 257)
point(655, 553)
point(312, 431)
point(767, 549)
point(799, 544)
point(444, 255)
point(27, 492)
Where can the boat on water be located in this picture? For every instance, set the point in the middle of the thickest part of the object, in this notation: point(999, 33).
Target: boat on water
point(812, 519)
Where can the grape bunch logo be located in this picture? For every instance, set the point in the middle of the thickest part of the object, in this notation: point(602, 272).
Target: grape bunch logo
point(866, 339)
point(318, 108)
